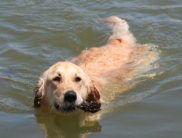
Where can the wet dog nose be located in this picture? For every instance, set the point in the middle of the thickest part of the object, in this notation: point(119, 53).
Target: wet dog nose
point(70, 96)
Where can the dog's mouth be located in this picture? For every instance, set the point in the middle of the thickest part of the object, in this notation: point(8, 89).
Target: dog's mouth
point(91, 107)
point(66, 107)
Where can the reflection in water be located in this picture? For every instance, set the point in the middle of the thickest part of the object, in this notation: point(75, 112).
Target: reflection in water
point(70, 126)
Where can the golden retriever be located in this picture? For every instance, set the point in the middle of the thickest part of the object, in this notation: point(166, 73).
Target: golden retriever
point(86, 78)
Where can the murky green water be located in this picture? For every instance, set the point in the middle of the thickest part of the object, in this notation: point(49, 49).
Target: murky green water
point(36, 33)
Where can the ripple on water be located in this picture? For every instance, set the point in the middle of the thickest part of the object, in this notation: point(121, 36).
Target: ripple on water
point(15, 97)
point(12, 105)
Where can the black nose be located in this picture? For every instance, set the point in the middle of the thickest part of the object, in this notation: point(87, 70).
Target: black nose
point(70, 96)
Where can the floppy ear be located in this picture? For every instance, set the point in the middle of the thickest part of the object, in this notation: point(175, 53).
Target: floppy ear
point(39, 92)
point(94, 95)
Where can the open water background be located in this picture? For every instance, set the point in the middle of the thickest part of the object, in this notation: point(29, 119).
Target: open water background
point(36, 33)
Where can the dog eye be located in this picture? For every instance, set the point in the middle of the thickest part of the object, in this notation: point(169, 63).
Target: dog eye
point(78, 79)
point(57, 79)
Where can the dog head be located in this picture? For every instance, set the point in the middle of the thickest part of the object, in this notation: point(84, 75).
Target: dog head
point(64, 86)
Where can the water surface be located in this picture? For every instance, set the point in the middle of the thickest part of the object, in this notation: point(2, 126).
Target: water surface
point(37, 33)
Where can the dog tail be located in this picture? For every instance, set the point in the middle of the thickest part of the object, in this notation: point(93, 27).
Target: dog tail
point(120, 30)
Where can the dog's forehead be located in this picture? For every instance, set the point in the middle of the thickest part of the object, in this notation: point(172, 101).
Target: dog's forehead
point(64, 67)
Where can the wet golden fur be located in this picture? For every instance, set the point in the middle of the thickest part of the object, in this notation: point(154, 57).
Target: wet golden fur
point(91, 72)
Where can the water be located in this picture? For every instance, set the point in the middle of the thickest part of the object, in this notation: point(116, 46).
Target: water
point(37, 33)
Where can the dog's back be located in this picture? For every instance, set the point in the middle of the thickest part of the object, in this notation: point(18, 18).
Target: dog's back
point(119, 52)
point(120, 59)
